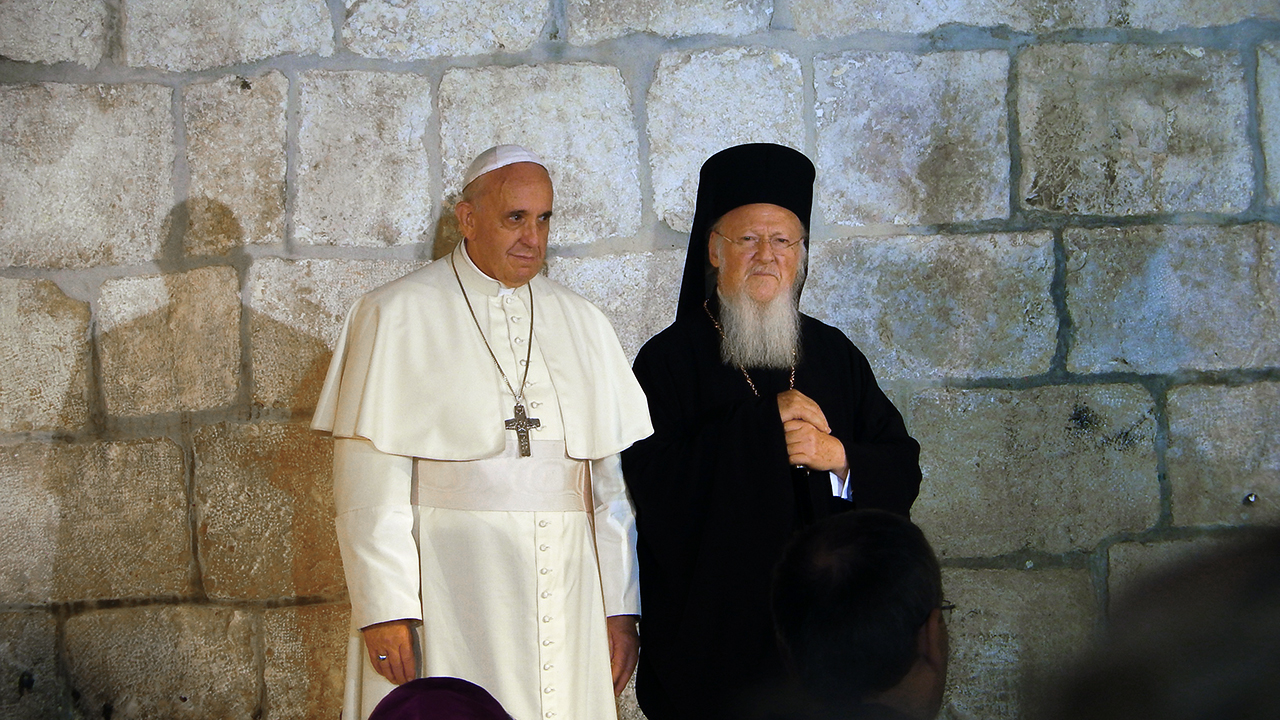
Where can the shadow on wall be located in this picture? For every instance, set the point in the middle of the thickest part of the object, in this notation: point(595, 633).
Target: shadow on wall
point(112, 522)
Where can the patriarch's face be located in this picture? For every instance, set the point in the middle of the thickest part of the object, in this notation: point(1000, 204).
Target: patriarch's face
point(761, 270)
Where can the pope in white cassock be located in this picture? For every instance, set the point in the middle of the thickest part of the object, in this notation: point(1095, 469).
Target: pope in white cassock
point(478, 409)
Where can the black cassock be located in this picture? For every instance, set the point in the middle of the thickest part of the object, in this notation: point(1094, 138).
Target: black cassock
point(716, 503)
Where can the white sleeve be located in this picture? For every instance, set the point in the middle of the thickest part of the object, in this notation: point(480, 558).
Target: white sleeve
point(375, 532)
point(840, 488)
point(615, 523)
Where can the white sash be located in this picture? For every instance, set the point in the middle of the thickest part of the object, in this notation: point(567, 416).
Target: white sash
point(546, 481)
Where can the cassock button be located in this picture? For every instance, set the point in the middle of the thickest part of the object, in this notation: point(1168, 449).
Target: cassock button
point(545, 643)
point(522, 364)
point(549, 714)
point(519, 341)
point(546, 618)
point(544, 548)
point(535, 404)
point(515, 318)
point(546, 593)
point(542, 523)
point(548, 690)
point(548, 666)
point(544, 571)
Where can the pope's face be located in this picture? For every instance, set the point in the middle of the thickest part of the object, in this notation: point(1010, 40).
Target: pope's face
point(506, 222)
point(760, 270)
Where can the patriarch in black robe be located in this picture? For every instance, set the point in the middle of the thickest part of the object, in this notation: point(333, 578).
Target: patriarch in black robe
point(762, 424)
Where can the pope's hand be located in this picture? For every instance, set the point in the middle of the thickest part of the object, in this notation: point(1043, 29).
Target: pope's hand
point(624, 649)
point(391, 640)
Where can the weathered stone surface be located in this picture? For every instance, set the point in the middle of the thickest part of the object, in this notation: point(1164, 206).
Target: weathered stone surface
point(1011, 628)
point(684, 130)
point(306, 650)
point(1131, 563)
point(170, 342)
point(1155, 299)
point(44, 357)
point(628, 705)
point(1053, 469)
point(824, 18)
point(1269, 115)
point(591, 21)
point(236, 155)
point(1174, 14)
point(912, 139)
point(90, 522)
point(30, 688)
point(264, 512)
point(1129, 129)
point(363, 176)
point(163, 662)
point(84, 173)
point(1224, 454)
point(637, 291)
point(296, 309)
point(418, 29)
point(51, 31)
point(201, 34)
point(942, 305)
point(584, 131)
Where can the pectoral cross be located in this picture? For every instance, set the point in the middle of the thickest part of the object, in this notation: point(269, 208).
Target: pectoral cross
point(522, 425)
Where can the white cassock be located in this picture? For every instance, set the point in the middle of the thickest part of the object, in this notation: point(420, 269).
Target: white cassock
point(511, 563)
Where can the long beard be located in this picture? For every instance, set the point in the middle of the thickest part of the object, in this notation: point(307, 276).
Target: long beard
point(760, 335)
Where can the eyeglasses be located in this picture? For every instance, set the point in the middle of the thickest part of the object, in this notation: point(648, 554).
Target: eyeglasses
point(752, 243)
point(947, 608)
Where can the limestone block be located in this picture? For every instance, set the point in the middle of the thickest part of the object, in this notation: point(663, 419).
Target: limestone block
point(763, 91)
point(92, 522)
point(1011, 628)
point(44, 357)
point(84, 173)
point(296, 310)
point(824, 19)
point(637, 291)
point(264, 512)
point(363, 177)
point(163, 662)
point(912, 139)
point(170, 343)
point(52, 31)
point(941, 305)
point(1155, 299)
point(422, 29)
point(1131, 563)
point(585, 131)
point(1051, 469)
point(32, 689)
point(1174, 14)
point(306, 650)
point(236, 155)
point(1224, 454)
point(201, 34)
point(591, 21)
point(1133, 129)
point(1269, 115)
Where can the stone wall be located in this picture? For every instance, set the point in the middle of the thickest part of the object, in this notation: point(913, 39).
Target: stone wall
point(1052, 226)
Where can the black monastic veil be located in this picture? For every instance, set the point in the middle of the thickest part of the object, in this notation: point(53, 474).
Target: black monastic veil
point(716, 499)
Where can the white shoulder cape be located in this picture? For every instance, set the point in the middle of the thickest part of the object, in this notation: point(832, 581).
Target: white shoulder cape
point(411, 374)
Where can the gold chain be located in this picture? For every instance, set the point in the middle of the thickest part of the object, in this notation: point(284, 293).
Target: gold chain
point(519, 396)
point(740, 368)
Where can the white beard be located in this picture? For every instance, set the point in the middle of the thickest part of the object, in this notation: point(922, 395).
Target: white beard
point(760, 335)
